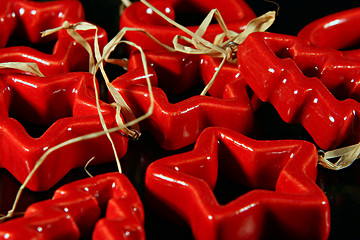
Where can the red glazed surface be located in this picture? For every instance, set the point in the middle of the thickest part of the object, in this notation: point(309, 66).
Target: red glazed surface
point(75, 209)
point(34, 17)
point(338, 72)
point(175, 125)
point(228, 73)
point(334, 31)
point(286, 203)
point(65, 102)
point(28, 18)
point(236, 14)
point(296, 97)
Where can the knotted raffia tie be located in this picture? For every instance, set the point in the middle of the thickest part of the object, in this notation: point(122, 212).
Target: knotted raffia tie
point(345, 157)
point(220, 47)
point(97, 63)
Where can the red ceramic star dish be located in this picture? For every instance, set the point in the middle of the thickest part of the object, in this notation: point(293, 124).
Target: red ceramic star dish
point(29, 18)
point(335, 31)
point(339, 73)
point(75, 208)
point(175, 125)
point(184, 72)
point(297, 98)
point(236, 14)
point(285, 203)
point(65, 102)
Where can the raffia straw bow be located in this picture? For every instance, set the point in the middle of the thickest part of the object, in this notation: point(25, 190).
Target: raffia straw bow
point(23, 66)
point(220, 47)
point(93, 68)
point(346, 156)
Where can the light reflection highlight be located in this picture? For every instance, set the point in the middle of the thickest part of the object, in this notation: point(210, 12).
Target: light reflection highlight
point(170, 179)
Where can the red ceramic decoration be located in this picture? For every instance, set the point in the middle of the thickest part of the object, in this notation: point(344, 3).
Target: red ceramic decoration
point(335, 31)
point(65, 103)
point(276, 78)
point(75, 208)
point(28, 18)
point(339, 73)
point(236, 14)
point(286, 203)
point(175, 125)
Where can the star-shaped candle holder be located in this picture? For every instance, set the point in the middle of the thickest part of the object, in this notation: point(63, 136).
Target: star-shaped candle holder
point(264, 59)
point(28, 19)
point(75, 210)
point(66, 105)
point(175, 125)
point(338, 72)
point(284, 203)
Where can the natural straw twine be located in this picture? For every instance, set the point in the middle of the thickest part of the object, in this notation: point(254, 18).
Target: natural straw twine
point(120, 104)
point(222, 48)
point(345, 157)
point(23, 66)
